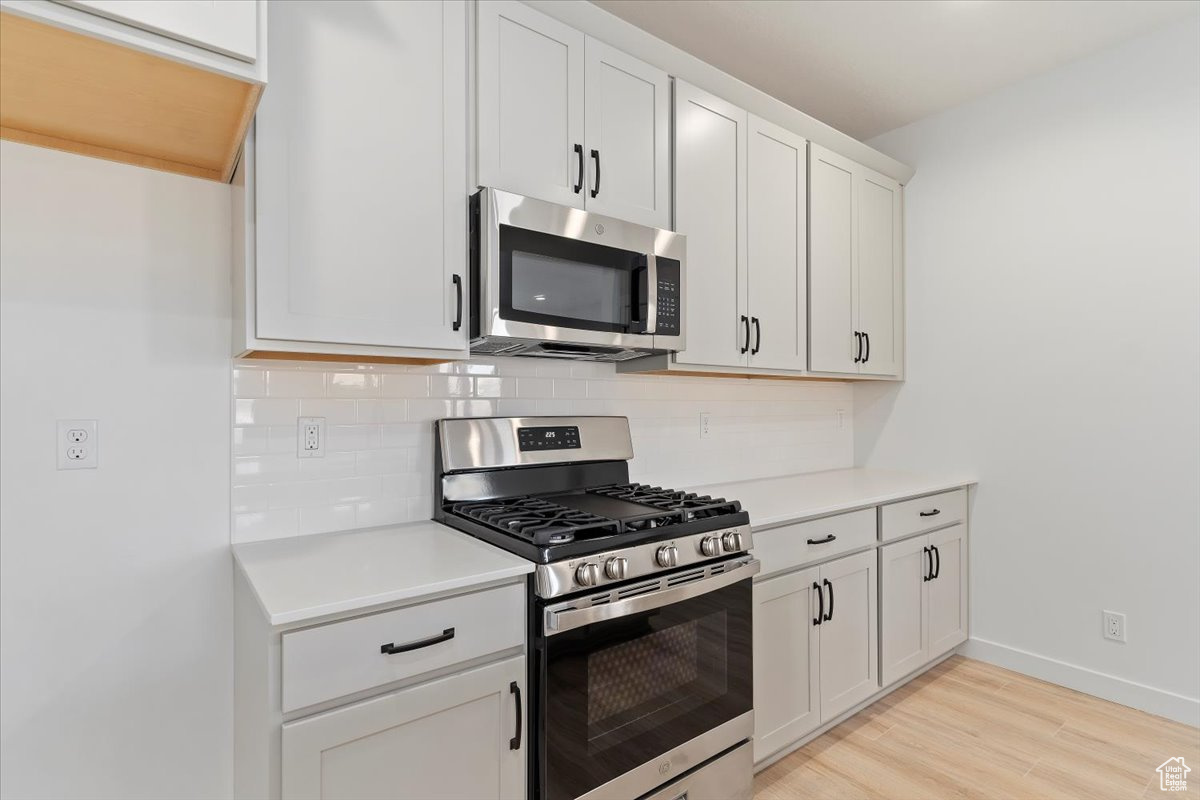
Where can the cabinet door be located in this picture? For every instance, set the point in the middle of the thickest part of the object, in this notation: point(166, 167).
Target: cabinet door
point(448, 739)
point(948, 591)
point(229, 27)
point(879, 274)
point(903, 624)
point(832, 253)
point(848, 644)
point(361, 174)
point(530, 103)
point(777, 250)
point(710, 209)
point(627, 114)
point(786, 693)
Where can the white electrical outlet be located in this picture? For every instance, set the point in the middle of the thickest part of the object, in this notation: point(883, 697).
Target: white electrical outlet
point(310, 437)
point(1114, 626)
point(78, 444)
point(705, 429)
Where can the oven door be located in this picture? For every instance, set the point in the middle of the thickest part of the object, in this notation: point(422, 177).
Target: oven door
point(634, 692)
point(553, 273)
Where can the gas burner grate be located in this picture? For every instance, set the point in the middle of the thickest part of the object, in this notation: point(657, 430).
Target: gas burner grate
point(688, 505)
point(538, 521)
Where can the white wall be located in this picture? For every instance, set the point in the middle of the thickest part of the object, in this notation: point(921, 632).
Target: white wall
point(1053, 277)
point(379, 466)
point(115, 584)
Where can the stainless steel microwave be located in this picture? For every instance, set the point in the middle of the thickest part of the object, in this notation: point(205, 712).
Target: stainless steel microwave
point(553, 281)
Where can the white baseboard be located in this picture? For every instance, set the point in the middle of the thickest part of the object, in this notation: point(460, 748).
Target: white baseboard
point(1109, 687)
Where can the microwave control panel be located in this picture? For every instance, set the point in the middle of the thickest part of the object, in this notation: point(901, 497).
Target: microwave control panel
point(669, 300)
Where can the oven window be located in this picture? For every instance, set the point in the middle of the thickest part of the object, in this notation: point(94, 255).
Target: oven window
point(623, 691)
point(555, 280)
point(589, 293)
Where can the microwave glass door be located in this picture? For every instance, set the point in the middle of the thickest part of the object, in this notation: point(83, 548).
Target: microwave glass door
point(553, 280)
point(623, 691)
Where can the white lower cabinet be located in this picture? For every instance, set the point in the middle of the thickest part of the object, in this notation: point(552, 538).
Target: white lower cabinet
point(457, 738)
point(786, 667)
point(814, 648)
point(923, 600)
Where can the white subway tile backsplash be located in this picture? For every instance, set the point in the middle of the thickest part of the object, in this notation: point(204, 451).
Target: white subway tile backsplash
point(378, 467)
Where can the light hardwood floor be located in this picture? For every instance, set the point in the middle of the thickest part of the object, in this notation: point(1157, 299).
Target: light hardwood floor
point(967, 729)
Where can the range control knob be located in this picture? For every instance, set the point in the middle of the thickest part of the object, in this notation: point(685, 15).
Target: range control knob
point(615, 568)
point(710, 546)
point(667, 556)
point(732, 542)
point(587, 574)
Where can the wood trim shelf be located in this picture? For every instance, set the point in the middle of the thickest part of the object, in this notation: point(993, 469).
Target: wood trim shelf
point(72, 92)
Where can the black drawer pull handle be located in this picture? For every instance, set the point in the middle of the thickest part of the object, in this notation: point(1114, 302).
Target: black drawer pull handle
point(821, 602)
point(515, 742)
point(933, 513)
point(596, 158)
point(937, 570)
point(828, 614)
point(858, 351)
point(926, 568)
point(458, 288)
point(746, 325)
point(867, 342)
point(826, 540)
point(579, 181)
point(757, 337)
point(391, 648)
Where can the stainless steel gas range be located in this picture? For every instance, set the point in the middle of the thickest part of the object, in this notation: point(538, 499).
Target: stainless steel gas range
point(640, 608)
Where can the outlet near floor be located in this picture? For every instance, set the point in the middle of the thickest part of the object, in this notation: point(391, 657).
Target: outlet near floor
point(1114, 626)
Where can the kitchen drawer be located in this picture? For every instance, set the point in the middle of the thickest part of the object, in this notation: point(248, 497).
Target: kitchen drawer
point(923, 514)
point(791, 546)
point(341, 658)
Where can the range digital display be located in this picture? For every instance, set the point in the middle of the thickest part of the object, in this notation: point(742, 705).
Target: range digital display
point(563, 437)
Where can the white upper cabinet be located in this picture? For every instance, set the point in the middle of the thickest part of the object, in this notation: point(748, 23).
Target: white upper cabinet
point(568, 119)
point(531, 89)
point(359, 181)
point(627, 114)
point(229, 26)
point(777, 228)
point(879, 276)
point(855, 273)
point(710, 209)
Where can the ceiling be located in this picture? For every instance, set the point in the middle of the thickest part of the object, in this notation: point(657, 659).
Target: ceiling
point(869, 66)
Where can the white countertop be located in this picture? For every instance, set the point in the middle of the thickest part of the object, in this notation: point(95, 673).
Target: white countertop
point(791, 498)
point(306, 577)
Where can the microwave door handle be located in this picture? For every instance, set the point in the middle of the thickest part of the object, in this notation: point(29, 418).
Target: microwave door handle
point(651, 293)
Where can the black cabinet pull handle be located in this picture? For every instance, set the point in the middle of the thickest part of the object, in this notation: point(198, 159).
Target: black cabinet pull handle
point(867, 341)
point(757, 336)
point(579, 180)
point(746, 325)
point(829, 613)
point(458, 289)
point(515, 742)
point(937, 570)
point(857, 347)
point(926, 564)
point(596, 158)
point(933, 513)
point(825, 540)
point(821, 603)
point(391, 648)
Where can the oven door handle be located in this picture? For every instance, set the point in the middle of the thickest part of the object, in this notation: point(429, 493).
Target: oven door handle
point(564, 617)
